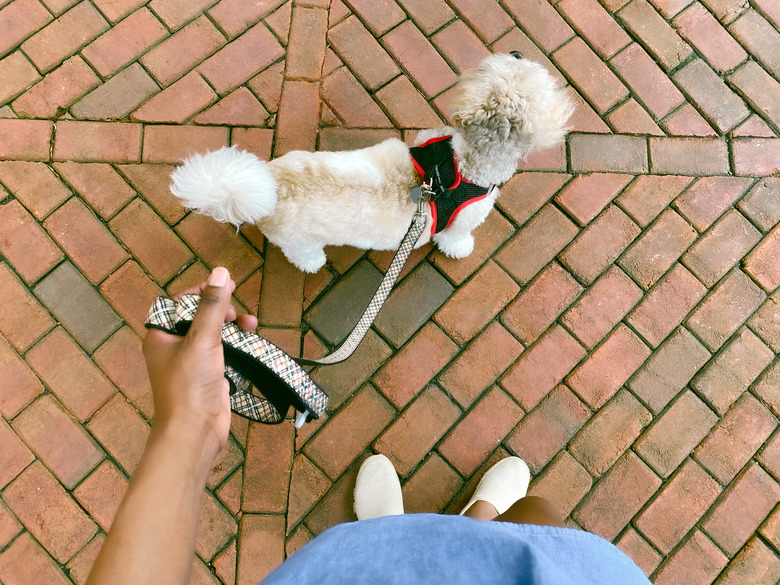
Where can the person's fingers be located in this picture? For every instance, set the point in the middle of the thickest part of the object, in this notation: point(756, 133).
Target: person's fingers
point(246, 322)
point(213, 308)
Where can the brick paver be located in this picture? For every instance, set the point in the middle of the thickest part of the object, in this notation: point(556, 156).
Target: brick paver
point(617, 325)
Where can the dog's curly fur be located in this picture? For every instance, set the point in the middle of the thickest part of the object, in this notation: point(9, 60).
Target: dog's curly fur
point(303, 201)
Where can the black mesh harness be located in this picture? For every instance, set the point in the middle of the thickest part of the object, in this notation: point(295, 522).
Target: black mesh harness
point(435, 163)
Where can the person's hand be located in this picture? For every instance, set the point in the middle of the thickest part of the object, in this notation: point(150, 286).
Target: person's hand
point(187, 374)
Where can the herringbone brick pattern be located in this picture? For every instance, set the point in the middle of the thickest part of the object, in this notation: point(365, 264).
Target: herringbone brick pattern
point(617, 326)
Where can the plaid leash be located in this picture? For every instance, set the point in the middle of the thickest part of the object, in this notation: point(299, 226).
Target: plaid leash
point(351, 343)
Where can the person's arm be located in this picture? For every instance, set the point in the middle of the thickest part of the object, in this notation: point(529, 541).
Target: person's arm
point(152, 538)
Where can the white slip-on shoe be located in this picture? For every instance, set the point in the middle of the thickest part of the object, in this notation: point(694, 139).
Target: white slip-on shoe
point(377, 489)
point(502, 485)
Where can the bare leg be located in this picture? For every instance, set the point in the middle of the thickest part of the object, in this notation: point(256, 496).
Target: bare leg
point(527, 510)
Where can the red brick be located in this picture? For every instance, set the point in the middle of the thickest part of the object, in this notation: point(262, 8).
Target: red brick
point(590, 75)
point(227, 460)
point(49, 513)
point(598, 246)
point(58, 441)
point(564, 483)
point(678, 507)
point(35, 185)
point(415, 365)
point(431, 487)
point(419, 59)
point(9, 526)
point(754, 125)
point(648, 195)
point(585, 196)
point(686, 121)
point(235, 16)
point(705, 33)
point(307, 485)
point(337, 506)
point(542, 367)
point(101, 493)
point(770, 458)
point(742, 508)
point(224, 563)
point(536, 244)
point(431, 15)
point(486, 358)
point(345, 435)
point(258, 141)
point(352, 103)
point(26, 562)
point(602, 307)
point(298, 117)
point(669, 369)
point(526, 193)
point(119, 96)
point(237, 108)
point(379, 15)
point(516, 40)
point(178, 54)
point(279, 21)
point(596, 25)
point(405, 105)
point(631, 118)
point(765, 321)
point(63, 37)
point(638, 549)
point(756, 563)
point(649, 84)
point(268, 86)
point(698, 561)
point(362, 53)
point(178, 102)
point(619, 495)
point(125, 42)
point(756, 157)
point(708, 198)
point(541, 22)
point(480, 432)
point(722, 247)
point(488, 20)
point(658, 249)
point(584, 119)
point(676, 433)
point(131, 293)
point(237, 62)
point(617, 153)
point(231, 490)
point(265, 533)
point(461, 47)
point(655, 34)
point(540, 303)
point(757, 87)
point(19, 20)
point(22, 319)
point(121, 430)
point(215, 527)
point(410, 438)
point(98, 184)
point(608, 367)
point(281, 297)
point(717, 103)
point(171, 144)
point(306, 46)
point(18, 74)
point(725, 309)
point(20, 385)
point(476, 303)
point(732, 371)
point(762, 263)
point(113, 9)
point(692, 156)
point(666, 305)
point(86, 240)
point(547, 428)
point(759, 37)
point(151, 182)
point(609, 433)
point(98, 142)
point(15, 455)
point(24, 244)
point(25, 139)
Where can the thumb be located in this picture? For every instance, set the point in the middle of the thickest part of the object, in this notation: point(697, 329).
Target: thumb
point(212, 309)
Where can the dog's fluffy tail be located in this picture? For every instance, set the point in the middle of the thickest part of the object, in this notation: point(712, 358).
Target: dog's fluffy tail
point(229, 184)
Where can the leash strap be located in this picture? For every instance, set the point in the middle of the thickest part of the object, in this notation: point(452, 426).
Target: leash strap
point(350, 344)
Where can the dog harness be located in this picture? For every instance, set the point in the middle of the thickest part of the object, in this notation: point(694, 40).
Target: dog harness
point(435, 163)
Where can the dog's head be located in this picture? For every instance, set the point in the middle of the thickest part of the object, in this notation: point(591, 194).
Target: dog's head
point(511, 103)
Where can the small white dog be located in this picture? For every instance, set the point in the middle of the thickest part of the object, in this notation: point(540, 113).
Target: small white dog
point(303, 201)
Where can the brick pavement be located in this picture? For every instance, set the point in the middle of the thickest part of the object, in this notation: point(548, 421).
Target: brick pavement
point(617, 324)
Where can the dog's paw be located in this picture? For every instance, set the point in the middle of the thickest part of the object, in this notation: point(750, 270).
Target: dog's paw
point(306, 260)
point(457, 248)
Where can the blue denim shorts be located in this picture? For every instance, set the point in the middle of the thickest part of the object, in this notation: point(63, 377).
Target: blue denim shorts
point(430, 548)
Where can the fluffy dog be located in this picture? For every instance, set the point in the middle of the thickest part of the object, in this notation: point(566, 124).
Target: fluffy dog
point(303, 201)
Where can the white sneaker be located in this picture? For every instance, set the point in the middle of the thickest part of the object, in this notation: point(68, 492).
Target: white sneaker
point(503, 484)
point(378, 489)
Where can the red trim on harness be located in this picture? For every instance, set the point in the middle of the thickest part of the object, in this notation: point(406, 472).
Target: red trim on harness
point(462, 205)
point(432, 140)
point(433, 217)
point(418, 168)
